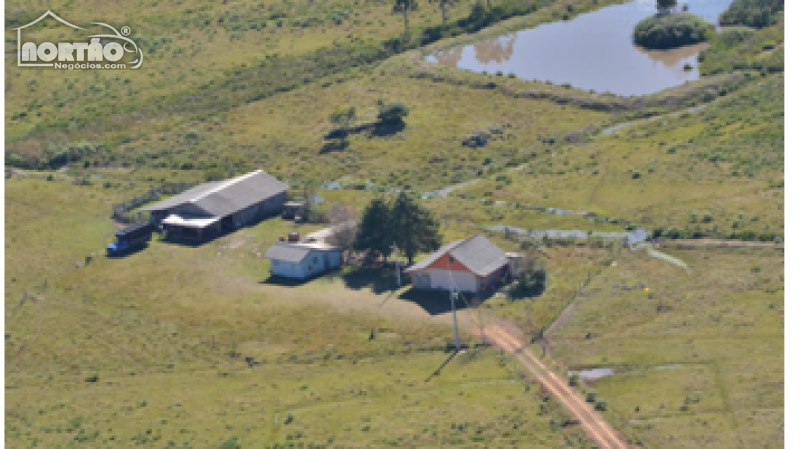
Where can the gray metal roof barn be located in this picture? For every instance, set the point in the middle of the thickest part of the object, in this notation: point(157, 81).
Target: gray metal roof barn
point(207, 209)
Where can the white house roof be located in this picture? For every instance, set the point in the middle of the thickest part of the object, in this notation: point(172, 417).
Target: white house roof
point(477, 253)
point(222, 198)
point(295, 252)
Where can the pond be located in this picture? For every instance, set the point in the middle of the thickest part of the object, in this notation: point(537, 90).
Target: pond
point(593, 374)
point(593, 51)
point(631, 237)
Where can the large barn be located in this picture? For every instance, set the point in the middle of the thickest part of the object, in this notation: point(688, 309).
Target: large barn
point(471, 265)
point(206, 210)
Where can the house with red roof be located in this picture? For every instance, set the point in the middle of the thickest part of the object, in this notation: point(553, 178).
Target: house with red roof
point(471, 265)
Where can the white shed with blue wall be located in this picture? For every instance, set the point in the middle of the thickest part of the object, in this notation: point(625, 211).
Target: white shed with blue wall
point(303, 260)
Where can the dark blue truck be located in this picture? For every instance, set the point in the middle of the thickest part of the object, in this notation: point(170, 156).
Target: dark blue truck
point(130, 238)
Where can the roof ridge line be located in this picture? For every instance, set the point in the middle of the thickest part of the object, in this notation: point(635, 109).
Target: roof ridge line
point(225, 184)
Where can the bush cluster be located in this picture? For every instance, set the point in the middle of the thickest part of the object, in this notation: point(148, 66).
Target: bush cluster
point(754, 13)
point(672, 30)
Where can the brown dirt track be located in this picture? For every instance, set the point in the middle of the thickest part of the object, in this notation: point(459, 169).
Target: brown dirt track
point(592, 422)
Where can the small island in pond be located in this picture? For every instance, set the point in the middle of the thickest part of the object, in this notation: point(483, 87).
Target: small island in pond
point(665, 31)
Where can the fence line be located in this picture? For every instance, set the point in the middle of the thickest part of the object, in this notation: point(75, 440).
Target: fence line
point(122, 212)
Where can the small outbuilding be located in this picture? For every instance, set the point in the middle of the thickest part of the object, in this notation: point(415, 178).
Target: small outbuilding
point(293, 209)
point(472, 265)
point(303, 260)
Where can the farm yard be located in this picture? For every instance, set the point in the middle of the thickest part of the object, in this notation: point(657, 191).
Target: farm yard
point(132, 327)
point(676, 342)
point(124, 327)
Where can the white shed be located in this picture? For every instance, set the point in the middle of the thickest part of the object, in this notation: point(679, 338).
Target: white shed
point(303, 260)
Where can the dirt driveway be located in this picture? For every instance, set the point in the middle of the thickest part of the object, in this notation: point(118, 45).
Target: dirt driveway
point(592, 422)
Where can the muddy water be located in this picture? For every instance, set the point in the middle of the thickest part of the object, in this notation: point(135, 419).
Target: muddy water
point(593, 51)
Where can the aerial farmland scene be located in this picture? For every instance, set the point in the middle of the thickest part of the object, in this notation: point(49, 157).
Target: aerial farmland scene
point(394, 223)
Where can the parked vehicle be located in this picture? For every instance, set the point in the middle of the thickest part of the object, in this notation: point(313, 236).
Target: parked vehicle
point(130, 238)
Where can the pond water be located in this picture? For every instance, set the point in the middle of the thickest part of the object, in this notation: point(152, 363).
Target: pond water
point(593, 51)
point(631, 237)
point(594, 373)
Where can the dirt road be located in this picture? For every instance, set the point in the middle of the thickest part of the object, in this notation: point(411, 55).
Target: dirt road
point(592, 422)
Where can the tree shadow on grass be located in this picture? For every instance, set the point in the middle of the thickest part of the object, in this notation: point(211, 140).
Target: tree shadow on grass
point(379, 280)
point(387, 129)
point(282, 281)
point(435, 302)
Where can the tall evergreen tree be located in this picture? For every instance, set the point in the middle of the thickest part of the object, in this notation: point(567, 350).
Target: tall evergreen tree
point(372, 233)
point(413, 228)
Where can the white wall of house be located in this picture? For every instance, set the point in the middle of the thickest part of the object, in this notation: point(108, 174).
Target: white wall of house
point(286, 269)
point(312, 264)
point(443, 279)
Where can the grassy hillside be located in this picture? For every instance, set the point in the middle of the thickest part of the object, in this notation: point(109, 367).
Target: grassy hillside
point(740, 48)
point(698, 357)
point(717, 171)
point(755, 13)
point(191, 75)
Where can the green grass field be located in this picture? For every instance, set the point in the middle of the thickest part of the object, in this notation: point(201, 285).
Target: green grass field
point(149, 323)
point(699, 357)
point(719, 170)
point(150, 349)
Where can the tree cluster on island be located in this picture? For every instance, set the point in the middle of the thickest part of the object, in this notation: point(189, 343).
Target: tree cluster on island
point(671, 29)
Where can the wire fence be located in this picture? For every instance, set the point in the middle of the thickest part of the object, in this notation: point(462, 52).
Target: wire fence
point(124, 212)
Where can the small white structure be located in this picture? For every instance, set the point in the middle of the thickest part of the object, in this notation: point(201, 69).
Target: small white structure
point(303, 260)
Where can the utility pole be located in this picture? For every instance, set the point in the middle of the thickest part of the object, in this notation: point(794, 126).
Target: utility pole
point(453, 295)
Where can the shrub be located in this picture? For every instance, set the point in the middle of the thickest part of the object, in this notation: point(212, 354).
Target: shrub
point(672, 30)
point(231, 443)
point(392, 113)
point(636, 175)
point(574, 378)
point(93, 378)
point(755, 13)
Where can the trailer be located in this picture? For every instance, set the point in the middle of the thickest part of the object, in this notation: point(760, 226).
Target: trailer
point(130, 238)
